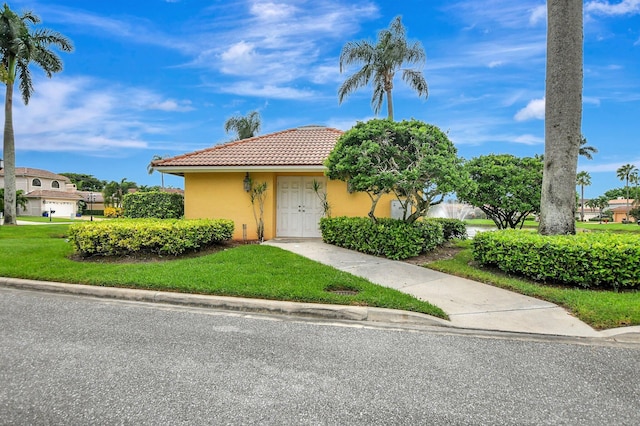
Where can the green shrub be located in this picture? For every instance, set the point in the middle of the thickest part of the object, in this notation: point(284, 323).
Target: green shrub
point(390, 238)
point(128, 236)
point(452, 228)
point(112, 212)
point(588, 259)
point(159, 205)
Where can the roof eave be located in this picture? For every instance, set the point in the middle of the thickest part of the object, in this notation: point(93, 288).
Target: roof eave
point(181, 170)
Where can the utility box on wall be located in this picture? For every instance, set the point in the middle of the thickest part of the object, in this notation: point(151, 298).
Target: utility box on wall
point(397, 211)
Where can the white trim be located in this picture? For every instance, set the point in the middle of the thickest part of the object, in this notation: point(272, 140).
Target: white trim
point(181, 170)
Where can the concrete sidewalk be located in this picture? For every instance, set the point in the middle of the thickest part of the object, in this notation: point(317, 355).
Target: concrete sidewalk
point(468, 303)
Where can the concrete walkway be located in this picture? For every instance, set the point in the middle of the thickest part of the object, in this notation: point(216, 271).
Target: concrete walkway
point(468, 303)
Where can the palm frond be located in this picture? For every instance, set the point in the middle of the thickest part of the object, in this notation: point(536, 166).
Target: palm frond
point(416, 81)
point(360, 79)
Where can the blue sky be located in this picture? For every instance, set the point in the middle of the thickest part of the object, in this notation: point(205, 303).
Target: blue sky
point(161, 77)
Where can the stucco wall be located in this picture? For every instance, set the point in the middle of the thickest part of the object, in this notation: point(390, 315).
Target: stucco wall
point(221, 196)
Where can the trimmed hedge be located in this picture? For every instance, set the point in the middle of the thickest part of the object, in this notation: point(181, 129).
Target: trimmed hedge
point(155, 204)
point(588, 260)
point(112, 212)
point(128, 236)
point(452, 228)
point(390, 238)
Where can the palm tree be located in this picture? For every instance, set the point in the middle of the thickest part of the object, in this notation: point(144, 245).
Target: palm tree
point(244, 127)
point(21, 200)
point(114, 192)
point(623, 173)
point(19, 46)
point(583, 179)
point(599, 203)
point(563, 116)
point(151, 168)
point(380, 62)
point(585, 150)
point(634, 178)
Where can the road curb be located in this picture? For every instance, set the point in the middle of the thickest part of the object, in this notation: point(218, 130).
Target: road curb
point(313, 310)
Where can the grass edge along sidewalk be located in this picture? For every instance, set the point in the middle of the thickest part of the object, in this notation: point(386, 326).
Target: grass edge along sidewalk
point(598, 308)
point(251, 271)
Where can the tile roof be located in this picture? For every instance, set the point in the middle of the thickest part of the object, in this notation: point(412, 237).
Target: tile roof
point(302, 146)
point(97, 196)
point(47, 193)
point(39, 173)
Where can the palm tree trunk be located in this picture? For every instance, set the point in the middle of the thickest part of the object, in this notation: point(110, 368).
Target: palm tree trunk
point(389, 105)
point(563, 116)
point(582, 203)
point(627, 185)
point(9, 160)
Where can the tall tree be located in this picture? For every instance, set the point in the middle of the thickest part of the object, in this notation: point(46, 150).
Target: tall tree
point(114, 192)
point(634, 178)
point(599, 203)
point(21, 200)
point(506, 188)
point(582, 179)
point(380, 62)
point(244, 127)
point(585, 150)
point(415, 161)
point(623, 173)
point(85, 182)
point(563, 116)
point(151, 167)
point(20, 46)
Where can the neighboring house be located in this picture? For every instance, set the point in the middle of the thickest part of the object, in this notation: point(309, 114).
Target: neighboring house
point(619, 209)
point(45, 192)
point(289, 162)
point(93, 199)
point(589, 212)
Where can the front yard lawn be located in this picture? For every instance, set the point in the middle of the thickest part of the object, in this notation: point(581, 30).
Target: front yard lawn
point(254, 271)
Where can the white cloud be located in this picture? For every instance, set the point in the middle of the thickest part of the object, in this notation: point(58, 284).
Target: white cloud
point(533, 110)
point(238, 53)
point(528, 140)
point(607, 167)
point(85, 115)
point(538, 14)
point(171, 105)
point(268, 11)
point(625, 7)
point(265, 91)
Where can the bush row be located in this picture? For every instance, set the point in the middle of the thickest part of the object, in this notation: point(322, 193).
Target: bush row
point(588, 259)
point(128, 236)
point(113, 212)
point(155, 204)
point(451, 228)
point(390, 238)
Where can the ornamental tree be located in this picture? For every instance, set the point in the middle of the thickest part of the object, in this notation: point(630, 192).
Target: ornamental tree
point(505, 187)
point(411, 159)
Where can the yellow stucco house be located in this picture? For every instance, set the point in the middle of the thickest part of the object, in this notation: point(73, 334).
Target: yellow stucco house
point(288, 161)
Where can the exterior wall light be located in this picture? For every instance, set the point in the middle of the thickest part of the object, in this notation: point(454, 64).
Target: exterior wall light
point(247, 183)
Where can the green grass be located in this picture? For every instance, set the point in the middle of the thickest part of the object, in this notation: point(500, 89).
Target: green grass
point(600, 309)
point(610, 227)
point(44, 219)
point(254, 271)
point(591, 226)
point(489, 222)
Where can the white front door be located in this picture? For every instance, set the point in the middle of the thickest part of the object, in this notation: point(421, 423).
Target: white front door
point(299, 208)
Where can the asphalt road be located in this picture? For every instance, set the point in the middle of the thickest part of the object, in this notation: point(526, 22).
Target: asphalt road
point(76, 361)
